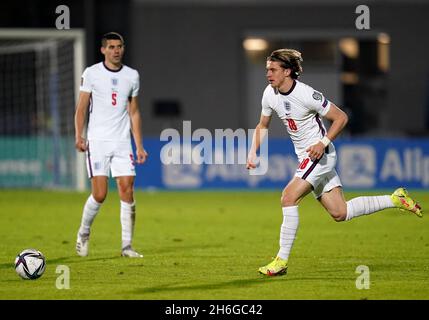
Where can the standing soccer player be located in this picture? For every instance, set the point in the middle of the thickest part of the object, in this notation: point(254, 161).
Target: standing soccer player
point(109, 91)
point(300, 108)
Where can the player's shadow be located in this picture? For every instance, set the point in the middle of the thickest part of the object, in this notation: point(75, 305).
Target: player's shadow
point(7, 265)
point(74, 258)
point(185, 248)
point(66, 259)
point(250, 282)
point(69, 259)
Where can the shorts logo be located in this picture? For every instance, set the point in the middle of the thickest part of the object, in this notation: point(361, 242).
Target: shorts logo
point(97, 165)
point(317, 96)
point(114, 81)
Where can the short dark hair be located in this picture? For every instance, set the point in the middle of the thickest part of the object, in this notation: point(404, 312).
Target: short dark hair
point(289, 59)
point(111, 36)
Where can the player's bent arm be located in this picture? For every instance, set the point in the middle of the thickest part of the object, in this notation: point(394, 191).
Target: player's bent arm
point(136, 129)
point(79, 119)
point(339, 120)
point(258, 136)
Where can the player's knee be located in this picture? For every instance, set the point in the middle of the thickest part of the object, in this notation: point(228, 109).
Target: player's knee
point(288, 201)
point(339, 218)
point(99, 196)
point(126, 191)
point(339, 215)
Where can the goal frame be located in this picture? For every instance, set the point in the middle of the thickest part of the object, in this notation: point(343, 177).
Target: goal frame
point(78, 37)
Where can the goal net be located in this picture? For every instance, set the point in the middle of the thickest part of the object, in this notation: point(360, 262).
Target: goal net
point(39, 82)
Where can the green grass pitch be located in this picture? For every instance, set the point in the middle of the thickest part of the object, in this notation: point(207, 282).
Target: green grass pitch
point(209, 245)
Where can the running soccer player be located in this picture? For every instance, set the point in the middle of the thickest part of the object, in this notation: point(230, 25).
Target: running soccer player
point(109, 92)
point(300, 107)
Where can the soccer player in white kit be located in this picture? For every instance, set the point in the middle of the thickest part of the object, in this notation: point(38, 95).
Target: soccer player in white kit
point(300, 108)
point(109, 92)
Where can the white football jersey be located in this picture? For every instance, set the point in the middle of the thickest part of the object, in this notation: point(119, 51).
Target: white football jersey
point(300, 109)
point(110, 93)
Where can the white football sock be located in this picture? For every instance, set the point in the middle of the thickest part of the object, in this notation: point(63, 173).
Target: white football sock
point(90, 210)
point(288, 231)
point(128, 214)
point(367, 205)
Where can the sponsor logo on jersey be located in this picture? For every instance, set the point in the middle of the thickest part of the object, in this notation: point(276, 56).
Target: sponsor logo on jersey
point(317, 96)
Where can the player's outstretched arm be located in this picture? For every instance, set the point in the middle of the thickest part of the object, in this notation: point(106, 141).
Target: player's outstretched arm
point(79, 119)
point(135, 117)
point(258, 136)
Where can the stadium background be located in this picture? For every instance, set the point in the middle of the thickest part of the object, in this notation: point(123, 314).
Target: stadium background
point(196, 66)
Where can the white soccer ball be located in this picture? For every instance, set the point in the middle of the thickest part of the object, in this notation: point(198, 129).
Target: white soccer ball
point(30, 264)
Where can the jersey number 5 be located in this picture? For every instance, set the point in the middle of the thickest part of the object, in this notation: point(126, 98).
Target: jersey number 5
point(292, 124)
point(113, 98)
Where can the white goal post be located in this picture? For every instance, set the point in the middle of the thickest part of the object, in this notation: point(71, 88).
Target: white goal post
point(40, 71)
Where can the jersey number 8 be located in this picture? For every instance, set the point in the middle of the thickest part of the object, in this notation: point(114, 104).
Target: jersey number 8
point(292, 124)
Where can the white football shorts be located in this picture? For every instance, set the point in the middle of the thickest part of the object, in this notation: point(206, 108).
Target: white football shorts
point(103, 157)
point(321, 173)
